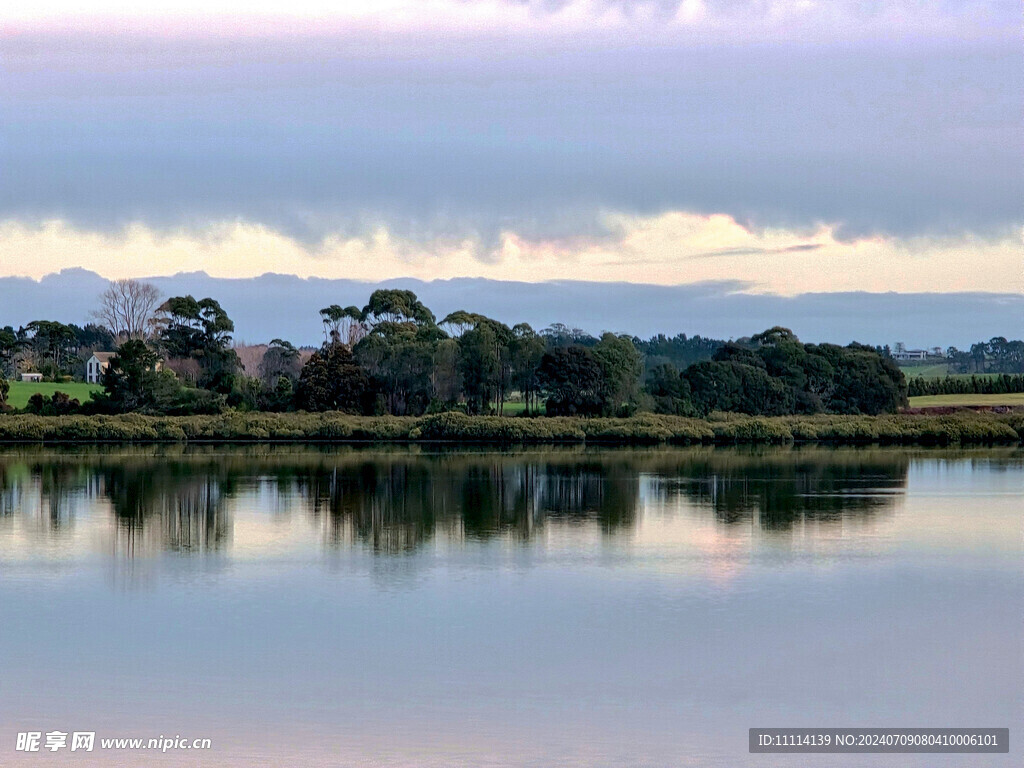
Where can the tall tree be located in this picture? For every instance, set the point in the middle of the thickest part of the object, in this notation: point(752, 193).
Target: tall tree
point(53, 344)
point(398, 350)
point(342, 324)
point(128, 308)
point(280, 359)
point(9, 346)
point(558, 335)
point(131, 381)
point(199, 330)
point(680, 350)
point(573, 381)
point(621, 365)
point(485, 361)
point(331, 380)
point(526, 348)
point(387, 305)
point(399, 358)
point(94, 337)
point(446, 375)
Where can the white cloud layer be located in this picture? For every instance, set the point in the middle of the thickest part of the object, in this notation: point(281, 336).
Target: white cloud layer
point(668, 249)
point(805, 19)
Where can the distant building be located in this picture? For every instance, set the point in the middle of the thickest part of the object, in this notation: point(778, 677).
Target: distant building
point(96, 365)
point(910, 354)
point(32, 377)
point(900, 352)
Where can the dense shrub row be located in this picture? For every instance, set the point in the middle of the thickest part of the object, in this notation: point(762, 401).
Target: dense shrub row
point(965, 427)
point(961, 385)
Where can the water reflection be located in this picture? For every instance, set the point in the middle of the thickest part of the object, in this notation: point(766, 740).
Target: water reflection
point(781, 488)
point(397, 503)
point(185, 499)
point(183, 505)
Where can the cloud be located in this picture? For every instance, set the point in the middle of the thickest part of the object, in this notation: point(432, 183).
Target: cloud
point(667, 249)
point(749, 251)
point(313, 138)
point(456, 120)
point(715, 19)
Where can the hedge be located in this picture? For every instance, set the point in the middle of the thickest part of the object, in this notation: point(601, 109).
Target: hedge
point(960, 428)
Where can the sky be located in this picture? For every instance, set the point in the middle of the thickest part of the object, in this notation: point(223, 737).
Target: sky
point(786, 146)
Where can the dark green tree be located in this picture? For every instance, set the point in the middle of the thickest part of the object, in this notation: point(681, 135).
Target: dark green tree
point(560, 336)
point(681, 350)
point(396, 306)
point(54, 345)
point(94, 337)
point(332, 380)
point(573, 381)
point(485, 363)
point(669, 391)
point(864, 382)
point(280, 359)
point(132, 383)
point(446, 377)
point(199, 330)
point(57, 404)
point(621, 365)
point(727, 385)
point(9, 346)
point(398, 351)
point(526, 349)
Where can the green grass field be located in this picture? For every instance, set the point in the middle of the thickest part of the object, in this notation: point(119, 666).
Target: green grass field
point(931, 401)
point(21, 391)
point(938, 371)
point(933, 371)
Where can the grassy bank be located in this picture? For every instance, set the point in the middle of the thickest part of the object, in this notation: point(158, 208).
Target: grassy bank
point(21, 391)
point(958, 428)
point(940, 371)
point(928, 371)
point(933, 401)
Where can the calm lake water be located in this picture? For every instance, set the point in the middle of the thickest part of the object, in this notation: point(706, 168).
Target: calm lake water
point(303, 606)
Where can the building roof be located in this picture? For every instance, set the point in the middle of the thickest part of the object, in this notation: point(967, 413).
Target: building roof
point(103, 357)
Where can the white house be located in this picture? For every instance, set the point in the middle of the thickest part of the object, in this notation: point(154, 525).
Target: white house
point(32, 377)
point(902, 353)
point(96, 365)
point(910, 354)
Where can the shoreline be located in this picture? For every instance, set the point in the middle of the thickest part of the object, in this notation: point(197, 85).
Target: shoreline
point(959, 428)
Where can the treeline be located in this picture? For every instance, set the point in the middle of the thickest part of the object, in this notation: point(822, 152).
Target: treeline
point(775, 374)
point(54, 349)
point(997, 355)
point(960, 385)
point(678, 351)
point(394, 357)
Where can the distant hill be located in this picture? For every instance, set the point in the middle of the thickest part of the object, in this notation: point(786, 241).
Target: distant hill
point(286, 306)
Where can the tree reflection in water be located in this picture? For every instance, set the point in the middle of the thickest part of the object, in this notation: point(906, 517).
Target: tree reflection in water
point(179, 499)
point(395, 504)
point(183, 507)
point(780, 488)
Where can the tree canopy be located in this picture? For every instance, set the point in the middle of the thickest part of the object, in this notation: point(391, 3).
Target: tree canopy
point(394, 356)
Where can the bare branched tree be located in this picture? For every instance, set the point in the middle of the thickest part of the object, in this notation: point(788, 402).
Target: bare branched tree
point(127, 308)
